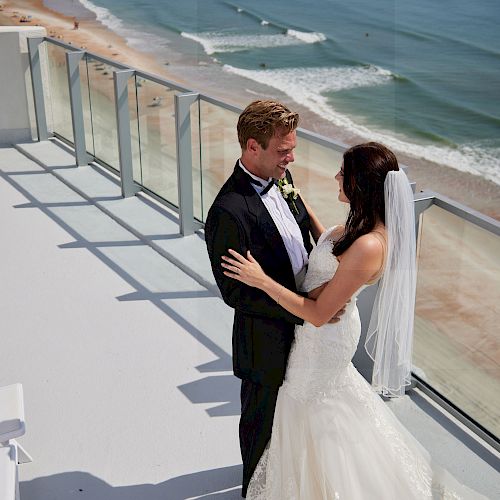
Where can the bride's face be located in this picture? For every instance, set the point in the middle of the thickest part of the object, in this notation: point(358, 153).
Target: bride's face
point(340, 179)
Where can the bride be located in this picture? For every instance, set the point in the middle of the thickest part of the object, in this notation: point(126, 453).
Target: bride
point(333, 437)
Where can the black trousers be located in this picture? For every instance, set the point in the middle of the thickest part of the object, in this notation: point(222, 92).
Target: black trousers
point(256, 423)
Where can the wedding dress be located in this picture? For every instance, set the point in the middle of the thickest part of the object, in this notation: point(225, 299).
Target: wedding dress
point(333, 437)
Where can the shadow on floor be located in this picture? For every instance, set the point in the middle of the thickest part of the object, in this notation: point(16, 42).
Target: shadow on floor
point(76, 224)
point(216, 484)
point(223, 389)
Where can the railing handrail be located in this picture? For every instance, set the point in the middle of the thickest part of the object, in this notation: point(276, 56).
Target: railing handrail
point(448, 204)
point(464, 212)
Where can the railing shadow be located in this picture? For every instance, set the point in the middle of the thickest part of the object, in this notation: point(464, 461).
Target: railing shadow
point(216, 386)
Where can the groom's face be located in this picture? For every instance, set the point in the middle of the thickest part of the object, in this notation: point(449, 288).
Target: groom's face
point(273, 161)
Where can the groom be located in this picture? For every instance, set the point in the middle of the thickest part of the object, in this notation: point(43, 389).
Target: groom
point(250, 213)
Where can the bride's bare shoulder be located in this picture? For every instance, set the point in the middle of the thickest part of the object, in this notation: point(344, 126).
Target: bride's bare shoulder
point(369, 246)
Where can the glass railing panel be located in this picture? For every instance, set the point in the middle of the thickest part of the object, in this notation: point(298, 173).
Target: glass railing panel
point(313, 173)
point(457, 340)
point(219, 150)
point(156, 125)
point(102, 105)
point(59, 118)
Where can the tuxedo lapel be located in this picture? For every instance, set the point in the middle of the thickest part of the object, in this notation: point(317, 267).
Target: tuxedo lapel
point(297, 214)
point(262, 218)
point(301, 216)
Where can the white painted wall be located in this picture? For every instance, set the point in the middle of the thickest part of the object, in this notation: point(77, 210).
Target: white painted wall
point(15, 83)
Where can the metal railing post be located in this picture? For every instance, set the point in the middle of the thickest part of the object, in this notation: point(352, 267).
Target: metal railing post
point(422, 202)
point(121, 78)
point(37, 85)
point(75, 97)
point(184, 161)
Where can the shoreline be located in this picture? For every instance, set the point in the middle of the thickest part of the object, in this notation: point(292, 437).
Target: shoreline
point(198, 72)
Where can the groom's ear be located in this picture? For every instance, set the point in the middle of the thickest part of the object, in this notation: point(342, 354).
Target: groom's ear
point(252, 145)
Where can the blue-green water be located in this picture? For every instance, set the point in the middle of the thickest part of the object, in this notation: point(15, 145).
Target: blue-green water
point(420, 76)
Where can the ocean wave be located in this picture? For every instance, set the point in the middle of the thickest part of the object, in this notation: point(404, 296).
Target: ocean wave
point(213, 42)
point(461, 44)
point(104, 16)
point(254, 15)
point(310, 83)
point(306, 86)
point(135, 38)
point(307, 37)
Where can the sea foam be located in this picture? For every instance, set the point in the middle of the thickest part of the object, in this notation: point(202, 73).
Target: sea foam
point(310, 83)
point(213, 42)
point(307, 37)
point(307, 87)
point(104, 16)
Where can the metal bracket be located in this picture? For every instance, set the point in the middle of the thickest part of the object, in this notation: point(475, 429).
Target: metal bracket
point(75, 96)
point(184, 161)
point(37, 85)
point(121, 78)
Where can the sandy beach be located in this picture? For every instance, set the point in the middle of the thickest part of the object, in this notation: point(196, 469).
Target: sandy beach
point(471, 190)
point(91, 35)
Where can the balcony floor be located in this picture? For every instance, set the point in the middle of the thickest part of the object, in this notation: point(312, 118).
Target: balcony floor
point(112, 323)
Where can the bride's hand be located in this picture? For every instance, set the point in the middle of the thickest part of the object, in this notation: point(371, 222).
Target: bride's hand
point(247, 270)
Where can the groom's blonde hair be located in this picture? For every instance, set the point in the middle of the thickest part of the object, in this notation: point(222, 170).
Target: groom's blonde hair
point(261, 120)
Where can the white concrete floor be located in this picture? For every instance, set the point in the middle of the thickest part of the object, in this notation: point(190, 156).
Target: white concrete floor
point(107, 338)
point(112, 323)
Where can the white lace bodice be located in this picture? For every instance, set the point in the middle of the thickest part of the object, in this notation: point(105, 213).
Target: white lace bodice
point(322, 263)
point(320, 356)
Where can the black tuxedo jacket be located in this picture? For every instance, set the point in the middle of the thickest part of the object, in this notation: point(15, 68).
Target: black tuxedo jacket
point(262, 331)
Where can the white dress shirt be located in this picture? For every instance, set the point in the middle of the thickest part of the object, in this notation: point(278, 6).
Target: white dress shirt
point(285, 222)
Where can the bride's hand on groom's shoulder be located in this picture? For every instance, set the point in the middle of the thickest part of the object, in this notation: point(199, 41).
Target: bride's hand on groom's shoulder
point(247, 270)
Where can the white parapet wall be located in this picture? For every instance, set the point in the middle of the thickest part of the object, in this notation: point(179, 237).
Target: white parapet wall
point(16, 109)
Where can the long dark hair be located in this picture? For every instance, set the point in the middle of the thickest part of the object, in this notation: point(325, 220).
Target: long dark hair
point(365, 168)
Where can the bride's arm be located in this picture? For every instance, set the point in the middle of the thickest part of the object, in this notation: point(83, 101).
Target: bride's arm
point(317, 229)
point(359, 263)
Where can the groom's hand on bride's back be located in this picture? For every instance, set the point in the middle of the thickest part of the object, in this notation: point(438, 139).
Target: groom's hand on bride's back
point(314, 294)
point(338, 315)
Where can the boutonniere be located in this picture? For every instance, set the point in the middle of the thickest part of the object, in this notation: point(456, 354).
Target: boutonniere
point(289, 192)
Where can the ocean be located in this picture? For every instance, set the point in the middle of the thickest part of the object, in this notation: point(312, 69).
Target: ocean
point(422, 77)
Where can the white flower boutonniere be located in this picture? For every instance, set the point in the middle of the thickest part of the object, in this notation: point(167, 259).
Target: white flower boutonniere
point(289, 192)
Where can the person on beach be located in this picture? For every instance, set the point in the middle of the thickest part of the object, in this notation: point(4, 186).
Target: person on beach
point(250, 212)
point(333, 437)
